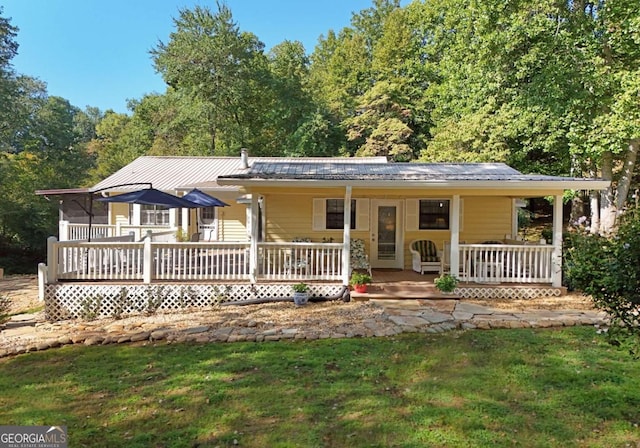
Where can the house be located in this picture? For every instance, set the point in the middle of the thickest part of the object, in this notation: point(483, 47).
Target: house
point(294, 220)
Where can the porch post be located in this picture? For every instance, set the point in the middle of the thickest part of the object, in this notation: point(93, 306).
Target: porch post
point(253, 249)
point(556, 257)
point(147, 263)
point(346, 237)
point(455, 236)
point(63, 230)
point(52, 259)
point(186, 213)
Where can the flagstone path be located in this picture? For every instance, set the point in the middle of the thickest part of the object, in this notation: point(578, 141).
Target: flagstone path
point(280, 321)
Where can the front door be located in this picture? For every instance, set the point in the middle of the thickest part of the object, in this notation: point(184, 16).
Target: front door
point(386, 234)
point(207, 224)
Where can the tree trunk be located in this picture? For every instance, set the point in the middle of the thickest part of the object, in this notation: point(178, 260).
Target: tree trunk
point(607, 201)
point(627, 174)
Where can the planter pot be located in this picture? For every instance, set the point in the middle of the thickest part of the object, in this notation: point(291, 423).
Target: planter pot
point(360, 288)
point(300, 298)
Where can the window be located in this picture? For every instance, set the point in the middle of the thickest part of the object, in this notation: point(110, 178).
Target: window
point(154, 215)
point(434, 214)
point(335, 214)
point(328, 214)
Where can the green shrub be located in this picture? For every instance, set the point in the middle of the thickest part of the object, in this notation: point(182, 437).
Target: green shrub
point(606, 268)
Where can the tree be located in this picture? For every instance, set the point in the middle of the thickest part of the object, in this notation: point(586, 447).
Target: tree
point(8, 49)
point(606, 268)
point(209, 59)
point(380, 126)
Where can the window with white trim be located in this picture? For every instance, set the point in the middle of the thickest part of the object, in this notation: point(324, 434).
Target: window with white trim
point(328, 214)
point(430, 214)
point(334, 215)
point(433, 214)
point(154, 215)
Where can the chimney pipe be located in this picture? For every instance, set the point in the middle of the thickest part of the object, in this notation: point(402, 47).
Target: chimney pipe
point(244, 158)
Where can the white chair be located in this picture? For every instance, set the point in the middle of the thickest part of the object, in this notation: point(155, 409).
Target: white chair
point(425, 257)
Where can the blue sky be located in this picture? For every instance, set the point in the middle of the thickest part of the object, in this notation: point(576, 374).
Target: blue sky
point(96, 52)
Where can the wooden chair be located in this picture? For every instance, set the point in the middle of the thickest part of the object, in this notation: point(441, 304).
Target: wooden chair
point(425, 256)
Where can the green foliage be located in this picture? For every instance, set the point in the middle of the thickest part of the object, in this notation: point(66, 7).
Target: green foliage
point(300, 287)
point(606, 268)
point(90, 307)
point(359, 278)
point(446, 283)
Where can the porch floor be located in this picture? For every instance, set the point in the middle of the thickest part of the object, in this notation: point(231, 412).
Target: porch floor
point(407, 284)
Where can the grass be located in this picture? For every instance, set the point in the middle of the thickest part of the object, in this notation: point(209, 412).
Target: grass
point(537, 388)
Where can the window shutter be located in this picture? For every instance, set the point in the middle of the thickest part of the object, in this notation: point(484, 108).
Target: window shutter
point(319, 213)
point(362, 214)
point(412, 214)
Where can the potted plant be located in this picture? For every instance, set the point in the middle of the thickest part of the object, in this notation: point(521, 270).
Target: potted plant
point(359, 281)
point(300, 293)
point(446, 283)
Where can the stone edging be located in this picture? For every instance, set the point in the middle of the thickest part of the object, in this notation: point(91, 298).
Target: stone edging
point(389, 319)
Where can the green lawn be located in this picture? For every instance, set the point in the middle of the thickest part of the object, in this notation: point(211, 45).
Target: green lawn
point(539, 388)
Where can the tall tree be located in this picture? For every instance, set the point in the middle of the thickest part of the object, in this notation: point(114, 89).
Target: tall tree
point(8, 49)
point(210, 59)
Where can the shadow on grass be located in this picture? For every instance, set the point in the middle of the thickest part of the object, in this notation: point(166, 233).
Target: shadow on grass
point(494, 388)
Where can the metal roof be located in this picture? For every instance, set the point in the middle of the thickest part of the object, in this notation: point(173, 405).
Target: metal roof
point(171, 173)
point(401, 175)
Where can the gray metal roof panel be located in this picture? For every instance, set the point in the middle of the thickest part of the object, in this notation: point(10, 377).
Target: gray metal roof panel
point(370, 171)
point(170, 173)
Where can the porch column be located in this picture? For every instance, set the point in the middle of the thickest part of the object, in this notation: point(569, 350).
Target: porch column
point(556, 257)
point(346, 237)
point(455, 236)
point(253, 239)
point(186, 212)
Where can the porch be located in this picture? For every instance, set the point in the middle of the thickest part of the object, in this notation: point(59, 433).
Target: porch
point(109, 278)
point(398, 284)
point(156, 260)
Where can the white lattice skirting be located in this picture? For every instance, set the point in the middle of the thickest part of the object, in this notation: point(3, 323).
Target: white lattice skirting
point(503, 292)
point(71, 301)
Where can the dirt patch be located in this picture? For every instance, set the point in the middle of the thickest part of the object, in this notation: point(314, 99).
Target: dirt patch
point(572, 301)
point(23, 292)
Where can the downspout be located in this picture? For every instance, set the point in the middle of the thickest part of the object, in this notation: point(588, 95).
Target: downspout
point(346, 238)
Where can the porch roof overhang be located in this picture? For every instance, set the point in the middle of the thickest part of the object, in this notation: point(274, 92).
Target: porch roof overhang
point(472, 176)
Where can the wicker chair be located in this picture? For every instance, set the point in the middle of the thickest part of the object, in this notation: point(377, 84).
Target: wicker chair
point(425, 256)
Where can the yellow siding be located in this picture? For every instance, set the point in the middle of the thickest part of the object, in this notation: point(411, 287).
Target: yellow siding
point(119, 213)
point(232, 222)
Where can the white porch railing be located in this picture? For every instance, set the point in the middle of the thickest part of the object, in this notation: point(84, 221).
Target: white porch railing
point(152, 260)
point(80, 232)
point(300, 261)
point(200, 261)
point(506, 263)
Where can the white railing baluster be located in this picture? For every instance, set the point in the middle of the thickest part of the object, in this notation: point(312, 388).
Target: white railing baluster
point(505, 263)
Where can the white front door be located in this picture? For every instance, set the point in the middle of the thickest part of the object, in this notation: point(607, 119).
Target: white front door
point(207, 224)
point(386, 234)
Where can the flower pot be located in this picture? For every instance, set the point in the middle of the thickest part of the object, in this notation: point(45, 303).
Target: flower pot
point(360, 288)
point(300, 298)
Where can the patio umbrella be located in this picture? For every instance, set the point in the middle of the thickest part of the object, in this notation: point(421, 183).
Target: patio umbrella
point(151, 196)
point(203, 199)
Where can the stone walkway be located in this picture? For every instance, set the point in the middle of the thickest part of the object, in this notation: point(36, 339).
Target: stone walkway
point(375, 318)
